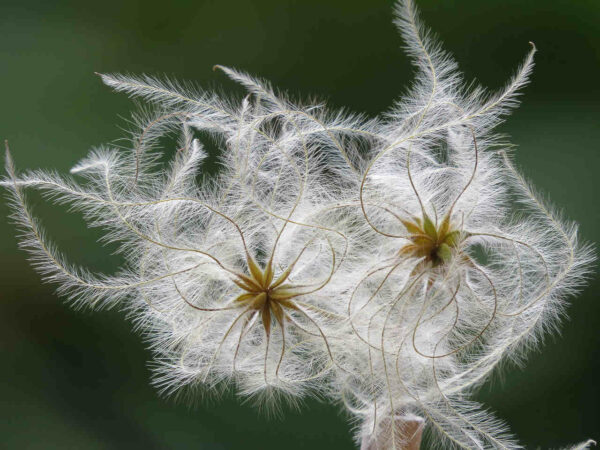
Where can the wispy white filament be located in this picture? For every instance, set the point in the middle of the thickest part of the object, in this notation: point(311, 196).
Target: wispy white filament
point(387, 264)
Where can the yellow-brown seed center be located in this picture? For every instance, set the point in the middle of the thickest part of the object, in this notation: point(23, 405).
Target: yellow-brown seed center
point(433, 243)
point(265, 294)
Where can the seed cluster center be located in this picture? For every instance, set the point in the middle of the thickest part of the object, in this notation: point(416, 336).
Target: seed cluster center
point(265, 294)
point(435, 243)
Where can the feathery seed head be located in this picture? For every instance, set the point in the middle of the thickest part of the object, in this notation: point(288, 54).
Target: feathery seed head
point(378, 262)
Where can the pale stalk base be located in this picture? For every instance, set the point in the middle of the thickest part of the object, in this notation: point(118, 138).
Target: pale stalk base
point(410, 434)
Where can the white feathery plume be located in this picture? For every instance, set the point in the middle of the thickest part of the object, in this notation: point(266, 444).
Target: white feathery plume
point(473, 267)
point(240, 278)
point(390, 264)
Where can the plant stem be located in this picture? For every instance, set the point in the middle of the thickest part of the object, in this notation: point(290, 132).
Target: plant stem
point(408, 433)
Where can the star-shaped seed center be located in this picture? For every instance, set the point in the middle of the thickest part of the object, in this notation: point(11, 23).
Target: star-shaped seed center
point(264, 293)
point(433, 243)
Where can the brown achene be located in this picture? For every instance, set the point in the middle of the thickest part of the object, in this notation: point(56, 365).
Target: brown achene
point(433, 243)
point(264, 294)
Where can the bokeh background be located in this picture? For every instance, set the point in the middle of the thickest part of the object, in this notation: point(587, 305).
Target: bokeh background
point(79, 380)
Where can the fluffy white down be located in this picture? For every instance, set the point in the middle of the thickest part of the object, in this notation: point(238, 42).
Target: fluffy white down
point(388, 264)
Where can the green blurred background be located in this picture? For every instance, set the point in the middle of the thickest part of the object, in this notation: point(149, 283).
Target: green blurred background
point(75, 379)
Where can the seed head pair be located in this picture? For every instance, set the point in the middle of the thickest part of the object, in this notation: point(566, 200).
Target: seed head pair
point(388, 264)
